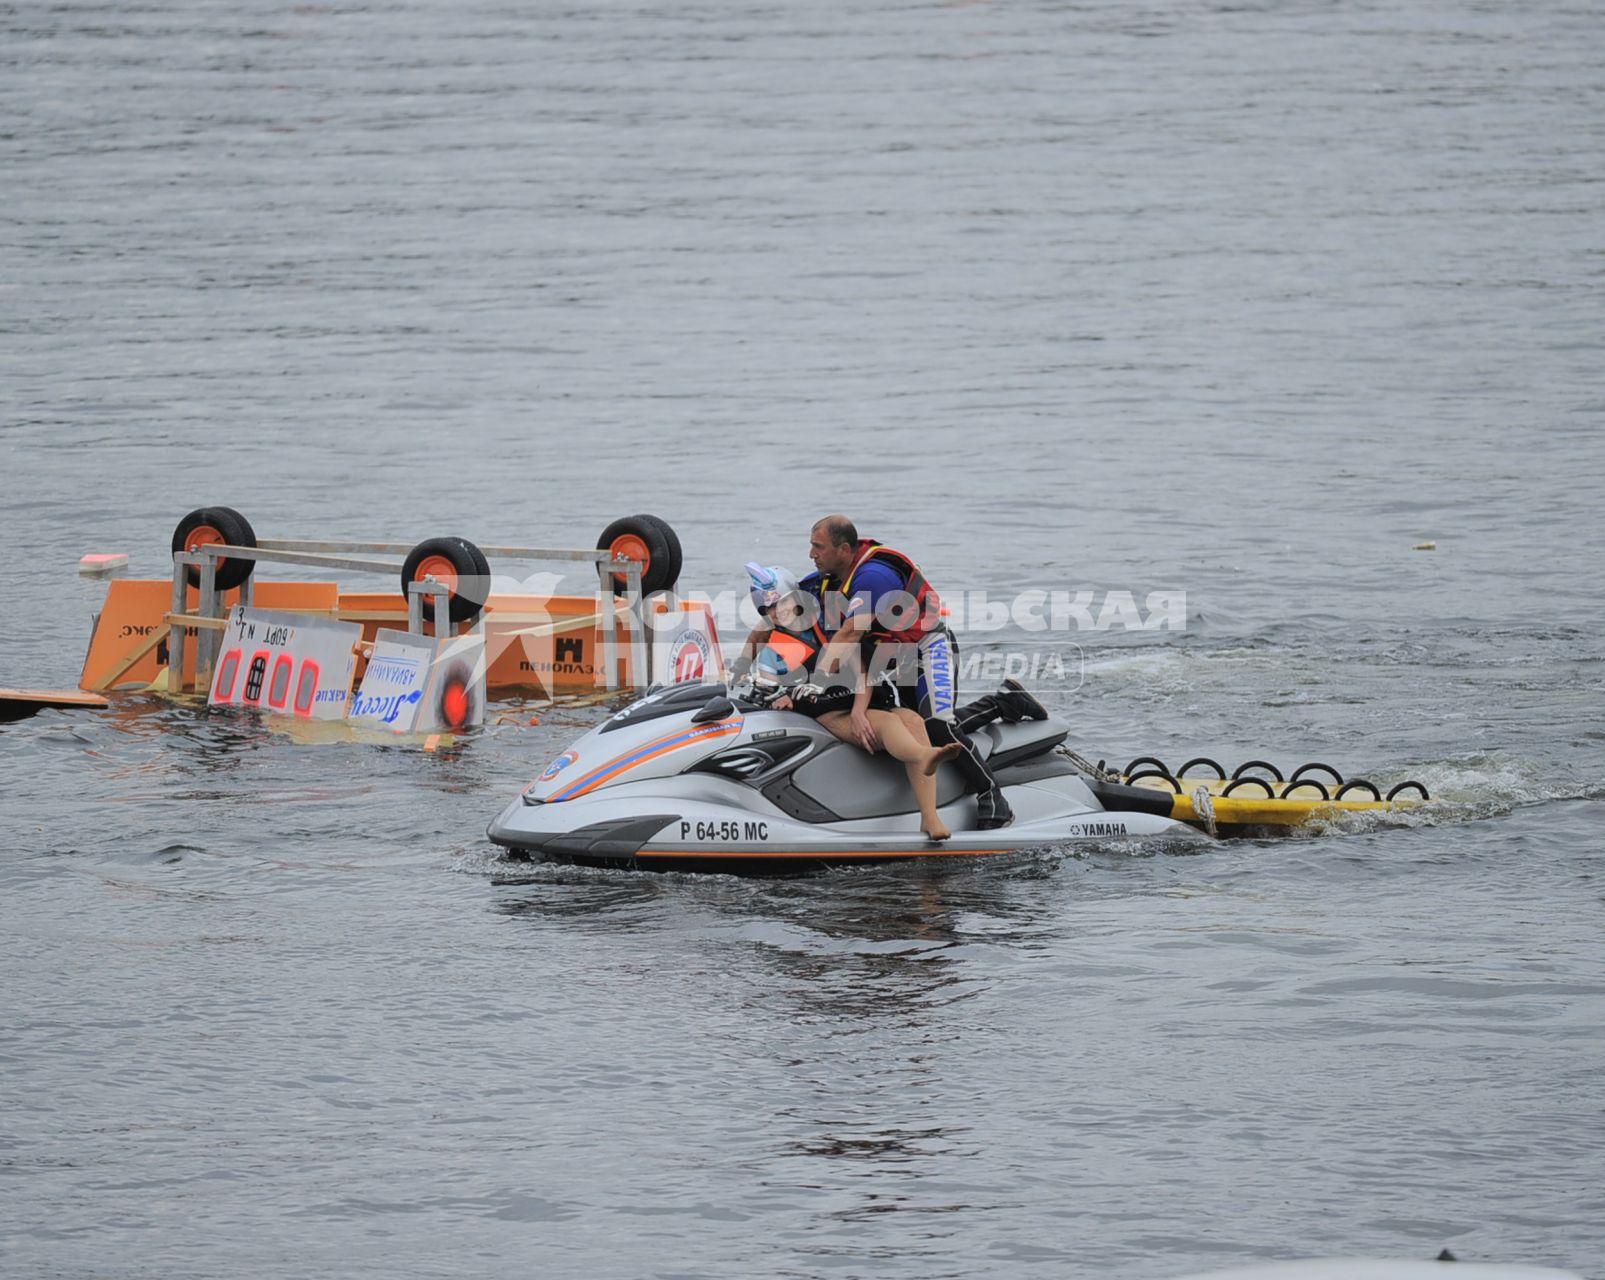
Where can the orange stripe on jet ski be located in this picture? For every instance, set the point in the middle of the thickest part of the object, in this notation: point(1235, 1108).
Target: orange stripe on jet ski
point(623, 764)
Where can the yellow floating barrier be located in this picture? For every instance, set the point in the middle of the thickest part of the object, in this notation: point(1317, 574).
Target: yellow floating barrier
point(1246, 799)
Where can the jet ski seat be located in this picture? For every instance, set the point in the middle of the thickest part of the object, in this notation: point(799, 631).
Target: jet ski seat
point(1001, 744)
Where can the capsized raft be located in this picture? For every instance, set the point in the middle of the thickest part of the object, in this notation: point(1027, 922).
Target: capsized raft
point(536, 643)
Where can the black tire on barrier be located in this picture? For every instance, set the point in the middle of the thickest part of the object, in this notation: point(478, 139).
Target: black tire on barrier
point(1133, 778)
point(1337, 778)
point(1270, 792)
point(484, 569)
point(1258, 764)
point(1408, 786)
point(212, 525)
point(1355, 786)
point(1219, 772)
point(1297, 782)
point(1142, 760)
point(676, 556)
point(457, 563)
point(649, 541)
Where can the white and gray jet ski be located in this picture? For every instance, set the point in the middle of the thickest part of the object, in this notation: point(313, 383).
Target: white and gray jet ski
point(687, 779)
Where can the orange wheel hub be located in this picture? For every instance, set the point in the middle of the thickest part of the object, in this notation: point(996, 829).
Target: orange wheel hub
point(202, 535)
point(629, 547)
point(440, 569)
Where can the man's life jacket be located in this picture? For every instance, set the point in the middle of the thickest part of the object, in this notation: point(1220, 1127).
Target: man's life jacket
point(926, 614)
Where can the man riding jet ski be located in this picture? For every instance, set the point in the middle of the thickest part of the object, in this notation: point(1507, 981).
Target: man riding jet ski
point(852, 708)
point(876, 598)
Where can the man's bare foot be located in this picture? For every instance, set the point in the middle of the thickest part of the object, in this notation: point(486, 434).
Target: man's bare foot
point(935, 830)
point(940, 756)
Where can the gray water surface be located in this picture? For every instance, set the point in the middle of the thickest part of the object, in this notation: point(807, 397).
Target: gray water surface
point(1241, 300)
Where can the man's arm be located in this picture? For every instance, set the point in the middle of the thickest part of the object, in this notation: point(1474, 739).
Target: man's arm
point(844, 644)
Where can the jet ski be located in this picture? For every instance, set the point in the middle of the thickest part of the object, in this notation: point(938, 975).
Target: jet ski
point(697, 777)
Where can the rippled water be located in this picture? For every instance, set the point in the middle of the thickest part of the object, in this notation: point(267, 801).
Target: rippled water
point(1243, 300)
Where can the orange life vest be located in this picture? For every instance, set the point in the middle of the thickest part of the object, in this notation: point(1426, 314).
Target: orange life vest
point(928, 615)
point(799, 650)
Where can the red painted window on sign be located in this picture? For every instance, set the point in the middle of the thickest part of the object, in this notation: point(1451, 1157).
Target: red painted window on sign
point(279, 690)
point(306, 689)
point(228, 673)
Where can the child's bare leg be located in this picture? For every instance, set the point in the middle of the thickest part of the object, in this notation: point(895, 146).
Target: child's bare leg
point(903, 734)
point(924, 785)
point(839, 723)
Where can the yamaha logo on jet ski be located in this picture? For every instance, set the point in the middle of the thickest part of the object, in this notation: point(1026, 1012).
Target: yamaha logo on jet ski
point(1098, 829)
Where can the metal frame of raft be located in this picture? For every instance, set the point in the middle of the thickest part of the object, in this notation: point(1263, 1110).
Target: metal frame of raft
point(209, 618)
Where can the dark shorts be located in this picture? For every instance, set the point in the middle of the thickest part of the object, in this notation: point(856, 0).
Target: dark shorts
point(881, 698)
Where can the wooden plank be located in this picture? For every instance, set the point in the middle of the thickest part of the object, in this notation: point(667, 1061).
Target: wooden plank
point(16, 704)
point(195, 621)
point(555, 628)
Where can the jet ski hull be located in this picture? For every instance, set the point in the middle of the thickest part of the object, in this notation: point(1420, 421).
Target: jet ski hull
point(685, 834)
point(773, 793)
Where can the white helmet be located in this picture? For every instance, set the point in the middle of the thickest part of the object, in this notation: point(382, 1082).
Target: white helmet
point(770, 585)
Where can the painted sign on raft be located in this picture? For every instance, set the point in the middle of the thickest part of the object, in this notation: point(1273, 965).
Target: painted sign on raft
point(690, 651)
point(414, 684)
point(287, 663)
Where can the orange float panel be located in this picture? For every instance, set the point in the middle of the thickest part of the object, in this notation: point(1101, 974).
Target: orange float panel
point(134, 610)
point(528, 649)
point(549, 645)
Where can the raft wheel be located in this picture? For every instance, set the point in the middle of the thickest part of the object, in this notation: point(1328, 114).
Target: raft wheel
point(1270, 791)
point(1408, 786)
point(213, 526)
point(1142, 760)
point(459, 566)
point(1297, 782)
point(1337, 778)
point(676, 555)
point(1258, 764)
point(1356, 785)
point(1133, 778)
point(1219, 772)
point(650, 542)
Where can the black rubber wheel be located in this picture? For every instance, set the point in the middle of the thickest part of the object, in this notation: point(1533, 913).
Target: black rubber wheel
point(1142, 760)
point(1133, 778)
point(1297, 782)
point(1258, 764)
point(459, 564)
point(1219, 772)
point(648, 541)
point(1337, 778)
point(1270, 793)
point(210, 525)
point(1356, 785)
point(1408, 786)
point(676, 556)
